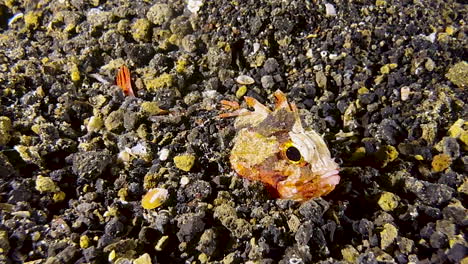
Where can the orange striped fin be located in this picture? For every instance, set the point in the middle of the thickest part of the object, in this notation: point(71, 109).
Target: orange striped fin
point(124, 81)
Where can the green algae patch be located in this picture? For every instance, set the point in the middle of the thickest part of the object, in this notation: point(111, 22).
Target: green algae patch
point(184, 162)
point(165, 80)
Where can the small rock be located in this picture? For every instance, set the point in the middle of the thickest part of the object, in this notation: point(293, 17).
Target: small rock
point(457, 253)
point(151, 108)
point(159, 14)
point(164, 81)
point(438, 240)
point(208, 243)
point(190, 225)
point(5, 130)
point(194, 5)
point(184, 162)
point(406, 245)
point(245, 80)
point(143, 259)
point(90, 164)
point(45, 184)
point(270, 65)
point(163, 154)
point(441, 162)
point(114, 227)
point(321, 79)
point(115, 121)
point(69, 255)
point(350, 254)
point(241, 91)
point(458, 74)
point(95, 123)
point(6, 168)
point(267, 81)
point(330, 10)
point(4, 243)
point(388, 235)
point(451, 147)
point(388, 201)
point(430, 65)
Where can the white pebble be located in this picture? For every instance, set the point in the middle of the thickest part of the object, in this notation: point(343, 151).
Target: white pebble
point(330, 10)
point(194, 5)
point(405, 92)
point(163, 154)
point(184, 180)
point(245, 80)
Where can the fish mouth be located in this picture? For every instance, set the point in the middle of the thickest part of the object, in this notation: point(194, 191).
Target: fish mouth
point(330, 177)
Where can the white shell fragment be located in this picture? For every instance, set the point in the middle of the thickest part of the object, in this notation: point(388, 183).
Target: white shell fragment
point(245, 80)
point(330, 10)
point(405, 92)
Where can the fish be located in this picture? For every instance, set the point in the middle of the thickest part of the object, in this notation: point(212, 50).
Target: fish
point(272, 146)
point(124, 81)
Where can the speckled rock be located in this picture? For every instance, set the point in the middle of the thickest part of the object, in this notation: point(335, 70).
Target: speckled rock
point(90, 164)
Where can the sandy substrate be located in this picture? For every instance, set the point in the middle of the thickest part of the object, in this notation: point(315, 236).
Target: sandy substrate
point(384, 82)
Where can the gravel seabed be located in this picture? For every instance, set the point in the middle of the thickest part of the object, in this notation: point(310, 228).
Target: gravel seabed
point(383, 81)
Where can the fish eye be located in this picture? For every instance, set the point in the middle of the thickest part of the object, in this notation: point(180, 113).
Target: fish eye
point(293, 154)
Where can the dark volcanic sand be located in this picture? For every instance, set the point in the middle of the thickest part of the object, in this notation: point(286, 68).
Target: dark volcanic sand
point(383, 81)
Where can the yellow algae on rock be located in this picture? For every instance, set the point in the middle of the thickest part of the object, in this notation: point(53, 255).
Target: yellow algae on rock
point(45, 184)
point(388, 201)
point(456, 129)
point(5, 130)
point(388, 235)
point(143, 259)
point(458, 74)
point(84, 241)
point(441, 162)
point(58, 196)
point(350, 254)
point(184, 162)
point(141, 30)
point(75, 73)
point(151, 108)
point(31, 19)
point(165, 80)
